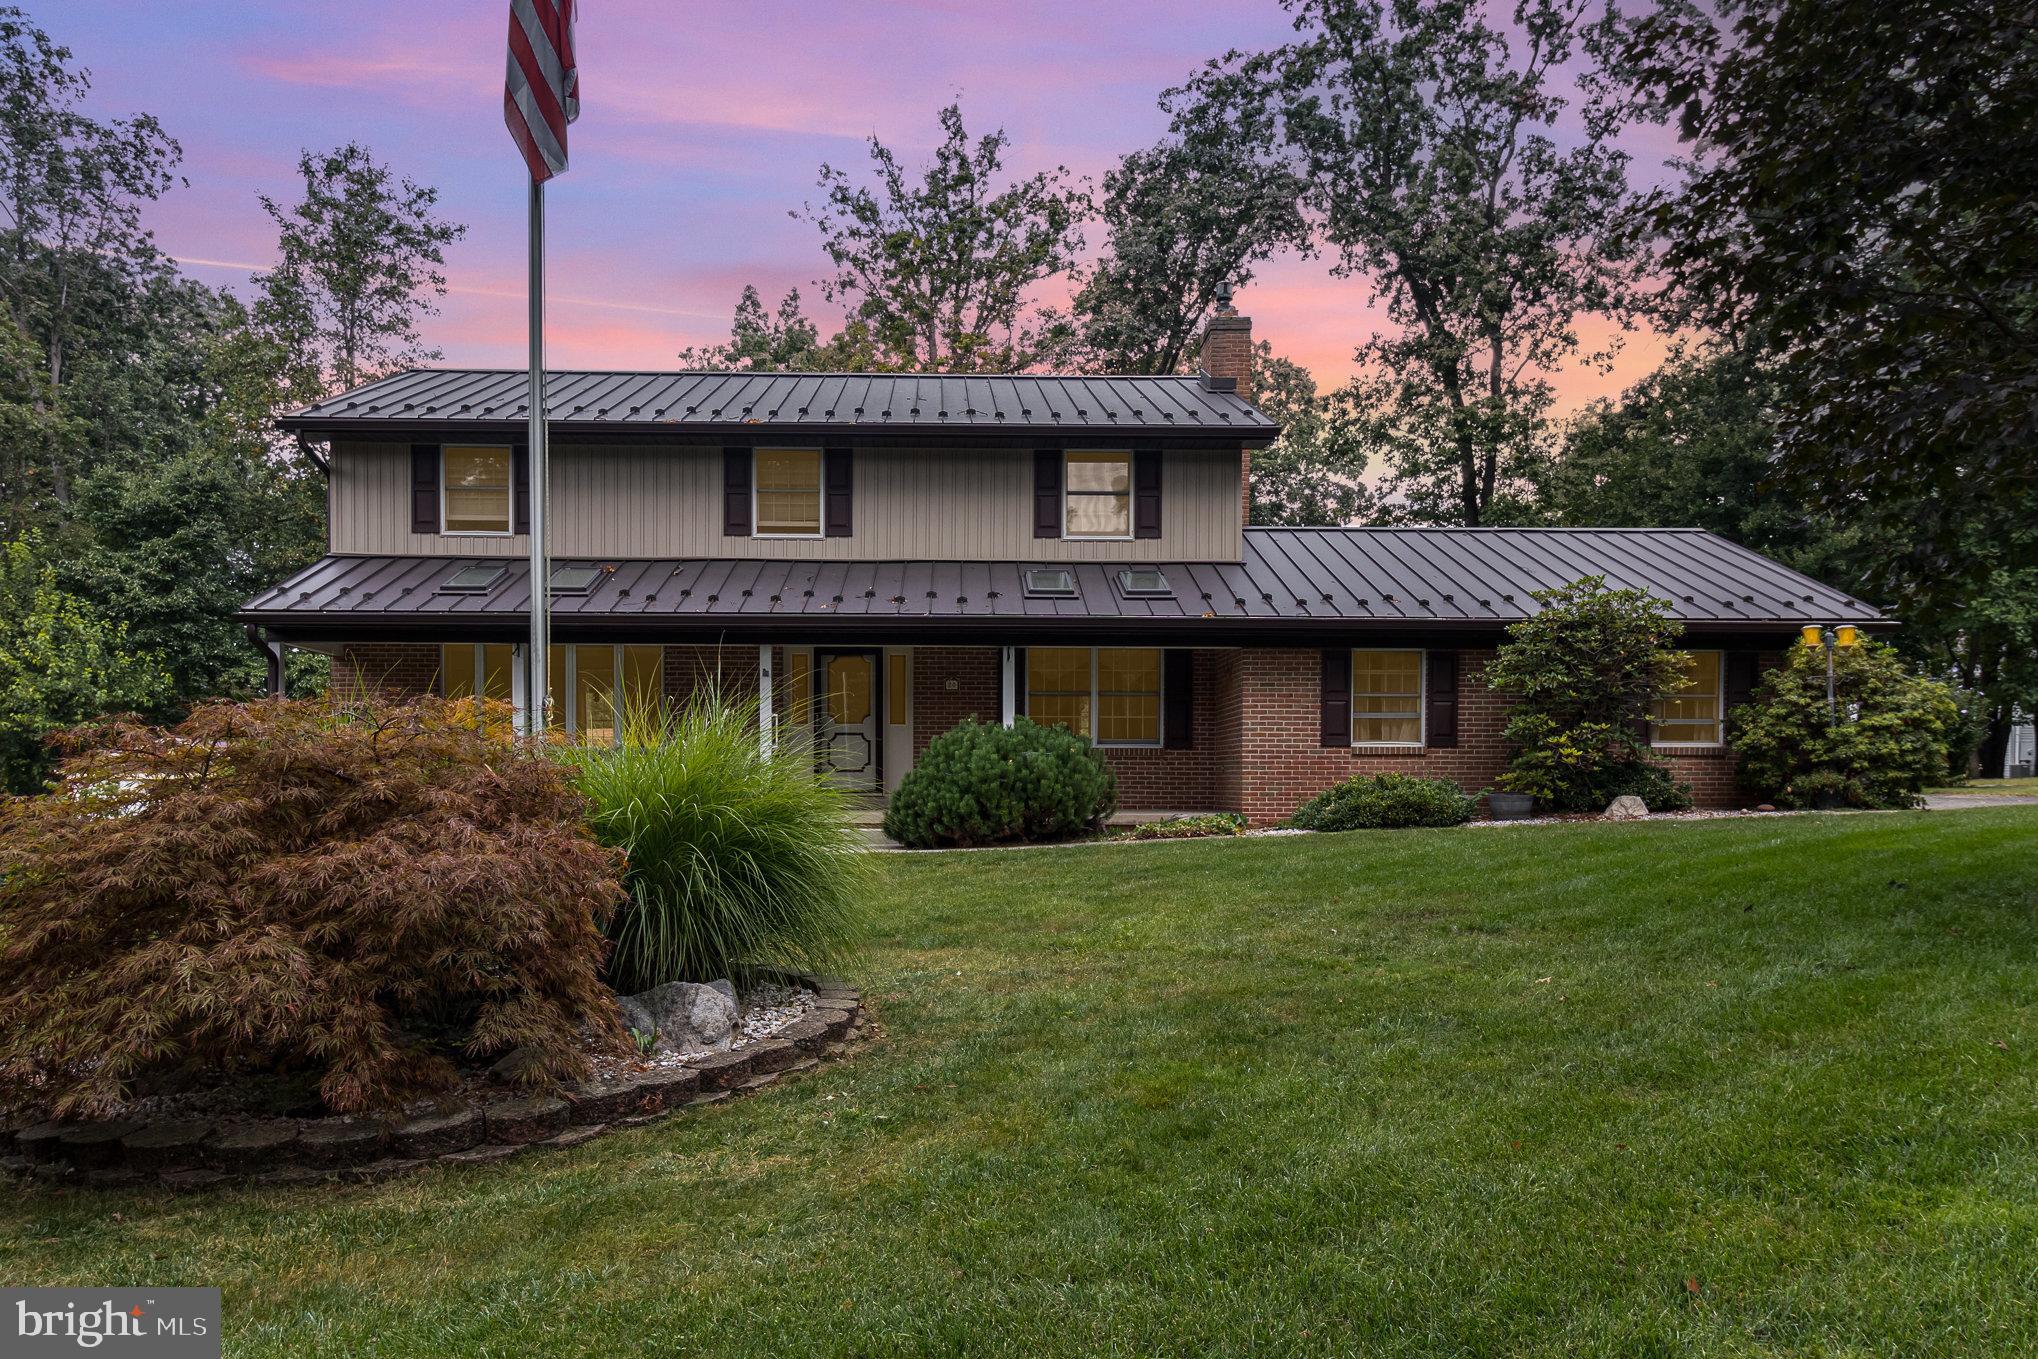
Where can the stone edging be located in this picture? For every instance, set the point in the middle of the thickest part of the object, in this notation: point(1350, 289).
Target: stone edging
point(192, 1154)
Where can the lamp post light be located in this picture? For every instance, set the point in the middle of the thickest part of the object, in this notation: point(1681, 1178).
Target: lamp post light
point(1832, 639)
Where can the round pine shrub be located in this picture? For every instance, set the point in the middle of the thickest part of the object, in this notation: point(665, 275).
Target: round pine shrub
point(1386, 802)
point(983, 784)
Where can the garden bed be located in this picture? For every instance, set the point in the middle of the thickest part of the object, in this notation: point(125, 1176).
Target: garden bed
point(219, 1136)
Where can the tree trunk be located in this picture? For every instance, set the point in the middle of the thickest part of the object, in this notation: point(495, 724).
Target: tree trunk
point(1995, 746)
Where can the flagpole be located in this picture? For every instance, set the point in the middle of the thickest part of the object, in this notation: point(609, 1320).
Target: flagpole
point(537, 691)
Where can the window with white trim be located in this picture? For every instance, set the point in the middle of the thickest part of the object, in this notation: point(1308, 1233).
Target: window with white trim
point(474, 489)
point(1110, 694)
point(1691, 715)
point(788, 493)
point(596, 689)
point(1386, 698)
point(1097, 495)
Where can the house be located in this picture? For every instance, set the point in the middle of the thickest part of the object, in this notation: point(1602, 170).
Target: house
point(877, 557)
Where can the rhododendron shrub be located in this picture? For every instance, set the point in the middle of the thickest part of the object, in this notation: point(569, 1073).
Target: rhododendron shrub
point(369, 897)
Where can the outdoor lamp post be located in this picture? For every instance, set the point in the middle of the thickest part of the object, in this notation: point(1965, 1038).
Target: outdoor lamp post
point(1832, 639)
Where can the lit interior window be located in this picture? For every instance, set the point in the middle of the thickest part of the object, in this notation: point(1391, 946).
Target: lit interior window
point(1691, 716)
point(1098, 492)
point(1110, 694)
point(475, 486)
point(1387, 698)
point(789, 492)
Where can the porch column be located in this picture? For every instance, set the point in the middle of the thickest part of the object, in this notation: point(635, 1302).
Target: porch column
point(1007, 694)
point(766, 733)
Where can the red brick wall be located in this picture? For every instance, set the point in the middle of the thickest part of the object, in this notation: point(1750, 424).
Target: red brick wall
point(1281, 763)
point(391, 669)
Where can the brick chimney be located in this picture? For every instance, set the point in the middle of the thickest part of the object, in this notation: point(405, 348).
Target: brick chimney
point(1227, 365)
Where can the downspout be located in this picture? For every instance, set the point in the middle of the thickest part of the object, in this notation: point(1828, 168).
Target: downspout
point(274, 651)
point(313, 456)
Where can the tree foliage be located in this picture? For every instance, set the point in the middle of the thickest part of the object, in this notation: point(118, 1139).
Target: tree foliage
point(1182, 218)
point(277, 886)
point(360, 258)
point(1887, 743)
point(783, 341)
point(1425, 137)
point(1859, 203)
point(61, 663)
point(938, 268)
point(1310, 475)
point(1581, 673)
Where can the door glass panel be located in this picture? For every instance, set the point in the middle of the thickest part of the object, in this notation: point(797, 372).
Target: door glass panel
point(849, 690)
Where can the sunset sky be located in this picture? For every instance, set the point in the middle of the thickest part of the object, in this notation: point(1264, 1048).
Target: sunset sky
point(700, 127)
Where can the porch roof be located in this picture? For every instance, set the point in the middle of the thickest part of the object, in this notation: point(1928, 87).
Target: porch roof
point(1291, 579)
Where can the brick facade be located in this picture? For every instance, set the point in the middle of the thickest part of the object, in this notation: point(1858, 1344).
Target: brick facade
point(1255, 732)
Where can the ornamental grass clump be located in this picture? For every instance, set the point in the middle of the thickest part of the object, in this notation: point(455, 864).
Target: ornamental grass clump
point(983, 784)
point(367, 899)
point(736, 860)
point(1881, 743)
point(1386, 802)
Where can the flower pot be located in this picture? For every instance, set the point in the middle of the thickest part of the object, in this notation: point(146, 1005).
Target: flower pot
point(1510, 806)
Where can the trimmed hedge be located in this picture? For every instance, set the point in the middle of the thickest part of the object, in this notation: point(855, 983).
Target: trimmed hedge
point(1386, 802)
point(984, 784)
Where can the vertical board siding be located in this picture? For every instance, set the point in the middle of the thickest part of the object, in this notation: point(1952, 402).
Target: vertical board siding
point(911, 505)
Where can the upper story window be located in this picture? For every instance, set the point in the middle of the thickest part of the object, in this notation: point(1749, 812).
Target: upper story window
point(1097, 495)
point(1691, 715)
point(474, 489)
point(1386, 698)
point(788, 492)
point(1110, 694)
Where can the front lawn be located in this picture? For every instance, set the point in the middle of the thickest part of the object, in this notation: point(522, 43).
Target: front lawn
point(1725, 1087)
point(1991, 788)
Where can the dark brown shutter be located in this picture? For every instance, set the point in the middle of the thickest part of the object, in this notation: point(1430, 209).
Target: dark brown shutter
point(1337, 698)
point(520, 480)
point(1178, 698)
point(1018, 681)
point(1440, 699)
point(838, 483)
point(424, 488)
point(1146, 493)
point(736, 493)
point(1743, 672)
point(1047, 493)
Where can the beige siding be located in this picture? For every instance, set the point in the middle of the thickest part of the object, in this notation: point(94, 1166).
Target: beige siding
point(645, 501)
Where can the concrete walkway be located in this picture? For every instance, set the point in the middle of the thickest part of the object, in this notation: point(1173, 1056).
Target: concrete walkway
point(1960, 802)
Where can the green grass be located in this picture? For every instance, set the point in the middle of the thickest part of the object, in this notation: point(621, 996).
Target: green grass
point(1705, 1088)
point(1993, 788)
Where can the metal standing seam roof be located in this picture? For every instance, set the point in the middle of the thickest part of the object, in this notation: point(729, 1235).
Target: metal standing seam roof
point(1465, 578)
point(719, 402)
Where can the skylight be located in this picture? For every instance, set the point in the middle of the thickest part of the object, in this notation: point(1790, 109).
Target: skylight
point(1050, 582)
point(574, 580)
point(477, 579)
point(1144, 581)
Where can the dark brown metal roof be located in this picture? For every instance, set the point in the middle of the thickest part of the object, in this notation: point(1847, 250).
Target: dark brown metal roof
point(424, 398)
point(1321, 578)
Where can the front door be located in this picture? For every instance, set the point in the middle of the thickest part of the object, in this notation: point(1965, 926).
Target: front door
point(847, 744)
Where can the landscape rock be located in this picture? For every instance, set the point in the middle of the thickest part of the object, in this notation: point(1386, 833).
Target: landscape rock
point(437, 1134)
point(723, 1070)
point(772, 1054)
point(39, 1143)
point(631, 1015)
point(527, 1120)
point(340, 1142)
point(94, 1146)
point(1626, 807)
point(167, 1146)
point(689, 1016)
point(255, 1147)
point(669, 1087)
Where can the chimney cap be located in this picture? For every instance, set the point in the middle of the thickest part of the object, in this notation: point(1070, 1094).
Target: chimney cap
point(1224, 294)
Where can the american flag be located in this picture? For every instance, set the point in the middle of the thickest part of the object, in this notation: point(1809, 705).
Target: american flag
point(543, 93)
